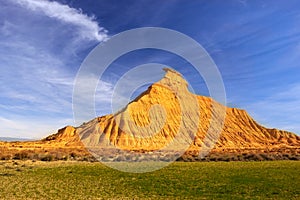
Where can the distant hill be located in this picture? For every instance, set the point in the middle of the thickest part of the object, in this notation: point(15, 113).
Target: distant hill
point(12, 139)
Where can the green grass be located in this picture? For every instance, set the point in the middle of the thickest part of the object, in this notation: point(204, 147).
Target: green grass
point(207, 180)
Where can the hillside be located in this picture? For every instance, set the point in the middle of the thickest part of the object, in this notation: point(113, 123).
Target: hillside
point(167, 117)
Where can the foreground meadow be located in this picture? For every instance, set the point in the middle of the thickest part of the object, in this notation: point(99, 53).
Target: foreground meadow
point(198, 180)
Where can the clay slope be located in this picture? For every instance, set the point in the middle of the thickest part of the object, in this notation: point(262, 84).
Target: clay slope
point(168, 115)
point(63, 145)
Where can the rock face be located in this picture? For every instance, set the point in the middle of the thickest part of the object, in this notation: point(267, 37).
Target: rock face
point(66, 135)
point(168, 116)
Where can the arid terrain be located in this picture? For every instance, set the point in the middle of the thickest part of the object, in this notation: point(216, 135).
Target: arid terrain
point(187, 122)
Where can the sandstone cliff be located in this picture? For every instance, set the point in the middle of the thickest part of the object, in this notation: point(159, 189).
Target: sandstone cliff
point(167, 116)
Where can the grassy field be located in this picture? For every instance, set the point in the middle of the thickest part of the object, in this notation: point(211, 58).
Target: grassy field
point(181, 180)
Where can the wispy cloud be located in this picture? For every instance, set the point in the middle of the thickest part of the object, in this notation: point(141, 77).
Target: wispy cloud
point(31, 128)
point(282, 107)
point(38, 64)
point(88, 27)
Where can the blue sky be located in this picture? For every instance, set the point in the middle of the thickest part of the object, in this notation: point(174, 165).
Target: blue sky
point(255, 44)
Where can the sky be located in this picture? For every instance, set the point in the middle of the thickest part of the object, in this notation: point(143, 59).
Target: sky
point(255, 45)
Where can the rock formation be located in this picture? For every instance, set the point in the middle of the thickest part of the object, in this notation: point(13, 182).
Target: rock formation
point(167, 111)
point(167, 116)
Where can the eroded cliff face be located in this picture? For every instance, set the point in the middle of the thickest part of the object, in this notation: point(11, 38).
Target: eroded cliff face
point(168, 116)
point(165, 112)
point(66, 136)
point(164, 117)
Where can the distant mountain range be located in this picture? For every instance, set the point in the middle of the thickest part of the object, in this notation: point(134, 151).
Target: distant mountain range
point(12, 139)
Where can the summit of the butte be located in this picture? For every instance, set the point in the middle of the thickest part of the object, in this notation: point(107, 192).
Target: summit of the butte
point(168, 116)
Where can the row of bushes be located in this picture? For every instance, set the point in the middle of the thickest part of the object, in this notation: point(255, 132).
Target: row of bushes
point(53, 156)
point(46, 156)
point(240, 157)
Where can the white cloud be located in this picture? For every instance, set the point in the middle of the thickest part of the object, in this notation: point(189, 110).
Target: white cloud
point(243, 2)
point(280, 110)
point(89, 99)
point(26, 128)
point(88, 26)
point(39, 62)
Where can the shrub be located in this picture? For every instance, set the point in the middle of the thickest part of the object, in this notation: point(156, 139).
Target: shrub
point(21, 156)
point(48, 157)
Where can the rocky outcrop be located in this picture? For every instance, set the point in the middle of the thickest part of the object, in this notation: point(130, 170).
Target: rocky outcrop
point(169, 117)
point(167, 114)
